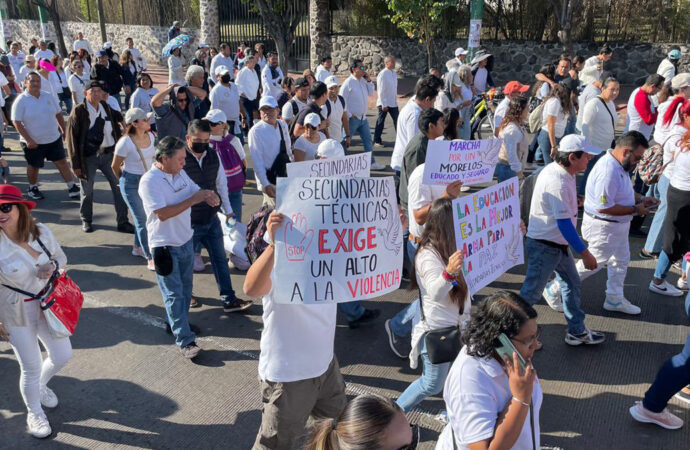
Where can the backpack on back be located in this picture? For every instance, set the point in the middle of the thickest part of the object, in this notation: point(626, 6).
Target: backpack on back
point(651, 166)
point(535, 118)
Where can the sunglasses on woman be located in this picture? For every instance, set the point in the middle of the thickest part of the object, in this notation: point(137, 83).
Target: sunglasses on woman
point(6, 207)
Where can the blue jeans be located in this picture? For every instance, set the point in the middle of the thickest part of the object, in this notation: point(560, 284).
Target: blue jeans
point(654, 237)
point(352, 310)
point(129, 186)
point(503, 172)
point(430, 383)
point(236, 204)
point(544, 146)
point(673, 376)
point(542, 261)
point(464, 129)
point(361, 126)
point(176, 289)
point(210, 235)
point(401, 323)
point(663, 265)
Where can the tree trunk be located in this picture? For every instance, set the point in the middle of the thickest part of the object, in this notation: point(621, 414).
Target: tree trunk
point(55, 17)
point(101, 22)
point(283, 47)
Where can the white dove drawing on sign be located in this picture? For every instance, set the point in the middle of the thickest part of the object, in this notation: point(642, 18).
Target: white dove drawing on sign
point(391, 235)
point(513, 246)
point(490, 154)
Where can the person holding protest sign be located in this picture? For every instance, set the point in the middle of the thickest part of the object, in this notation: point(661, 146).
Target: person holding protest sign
point(306, 145)
point(515, 140)
point(444, 299)
point(205, 168)
point(270, 145)
point(299, 372)
point(552, 221)
point(610, 204)
point(168, 195)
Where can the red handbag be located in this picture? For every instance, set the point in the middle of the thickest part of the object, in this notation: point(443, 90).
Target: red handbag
point(61, 300)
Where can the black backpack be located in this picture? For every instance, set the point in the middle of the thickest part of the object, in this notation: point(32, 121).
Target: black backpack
point(328, 105)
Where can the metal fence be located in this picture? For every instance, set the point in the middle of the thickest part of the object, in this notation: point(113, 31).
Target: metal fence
point(240, 22)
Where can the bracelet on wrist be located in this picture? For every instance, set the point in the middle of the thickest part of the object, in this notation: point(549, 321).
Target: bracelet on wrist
point(515, 399)
point(452, 279)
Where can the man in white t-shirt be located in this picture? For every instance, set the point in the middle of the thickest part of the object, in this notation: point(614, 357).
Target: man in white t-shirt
point(594, 66)
point(139, 59)
point(387, 98)
point(43, 52)
point(81, 43)
point(337, 119)
point(223, 58)
point(667, 67)
point(324, 70)
point(296, 104)
point(610, 203)
point(38, 120)
point(16, 59)
point(226, 97)
point(551, 228)
point(299, 372)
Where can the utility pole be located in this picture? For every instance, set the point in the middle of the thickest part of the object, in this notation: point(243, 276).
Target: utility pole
point(476, 12)
point(101, 21)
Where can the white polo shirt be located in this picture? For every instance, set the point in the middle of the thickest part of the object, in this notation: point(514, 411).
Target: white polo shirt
point(157, 190)
point(607, 185)
point(335, 120)
point(387, 88)
point(476, 392)
point(356, 93)
point(418, 196)
point(264, 146)
point(296, 341)
point(220, 60)
point(38, 116)
point(248, 83)
point(406, 129)
point(44, 54)
point(554, 198)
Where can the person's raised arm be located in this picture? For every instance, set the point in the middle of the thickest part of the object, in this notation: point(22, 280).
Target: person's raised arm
point(159, 98)
point(197, 92)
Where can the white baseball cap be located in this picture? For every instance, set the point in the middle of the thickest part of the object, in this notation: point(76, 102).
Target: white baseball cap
point(312, 119)
point(134, 114)
point(221, 70)
point(460, 51)
point(216, 116)
point(330, 148)
point(108, 44)
point(680, 81)
point(331, 81)
point(267, 100)
point(576, 143)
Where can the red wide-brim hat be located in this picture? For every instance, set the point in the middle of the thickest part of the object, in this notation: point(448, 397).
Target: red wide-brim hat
point(12, 194)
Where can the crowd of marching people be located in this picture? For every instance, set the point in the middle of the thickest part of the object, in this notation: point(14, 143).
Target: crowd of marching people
point(176, 160)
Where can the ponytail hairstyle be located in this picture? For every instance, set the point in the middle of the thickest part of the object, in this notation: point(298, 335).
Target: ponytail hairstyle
point(360, 426)
point(678, 102)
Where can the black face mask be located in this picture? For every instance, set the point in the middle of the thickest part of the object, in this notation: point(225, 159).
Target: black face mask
point(225, 78)
point(199, 147)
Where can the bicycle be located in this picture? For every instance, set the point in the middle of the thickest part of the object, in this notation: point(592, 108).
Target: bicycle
point(482, 121)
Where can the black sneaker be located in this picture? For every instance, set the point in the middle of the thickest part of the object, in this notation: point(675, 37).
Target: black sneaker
point(644, 254)
point(190, 351)
point(125, 227)
point(682, 395)
point(368, 316)
point(74, 191)
point(34, 193)
point(86, 227)
point(236, 305)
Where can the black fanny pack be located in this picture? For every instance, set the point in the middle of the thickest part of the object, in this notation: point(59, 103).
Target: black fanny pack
point(279, 166)
point(163, 261)
point(94, 137)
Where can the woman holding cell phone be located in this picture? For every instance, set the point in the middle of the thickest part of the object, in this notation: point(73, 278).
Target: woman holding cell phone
point(494, 401)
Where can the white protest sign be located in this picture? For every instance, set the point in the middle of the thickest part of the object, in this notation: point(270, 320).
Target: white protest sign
point(341, 240)
point(487, 230)
point(348, 166)
point(472, 162)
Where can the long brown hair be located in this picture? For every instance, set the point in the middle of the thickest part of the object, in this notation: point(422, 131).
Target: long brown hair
point(514, 114)
point(559, 92)
point(439, 236)
point(26, 225)
point(360, 426)
point(125, 58)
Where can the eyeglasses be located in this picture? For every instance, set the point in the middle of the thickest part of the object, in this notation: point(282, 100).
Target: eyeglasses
point(182, 100)
point(532, 341)
point(415, 439)
point(174, 188)
point(6, 207)
point(78, 66)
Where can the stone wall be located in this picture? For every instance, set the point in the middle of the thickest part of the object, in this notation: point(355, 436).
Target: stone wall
point(148, 39)
point(514, 60)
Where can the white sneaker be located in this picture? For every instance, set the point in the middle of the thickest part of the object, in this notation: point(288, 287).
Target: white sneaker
point(377, 166)
point(38, 426)
point(682, 284)
point(48, 398)
point(621, 305)
point(664, 419)
point(552, 295)
point(138, 251)
point(665, 288)
point(199, 265)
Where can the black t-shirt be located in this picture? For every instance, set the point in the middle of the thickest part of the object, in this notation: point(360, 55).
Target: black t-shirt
point(311, 108)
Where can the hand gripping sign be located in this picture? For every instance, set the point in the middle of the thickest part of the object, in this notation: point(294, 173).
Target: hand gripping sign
point(341, 240)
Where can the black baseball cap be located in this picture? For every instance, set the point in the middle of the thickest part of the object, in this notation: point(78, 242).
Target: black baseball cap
point(301, 82)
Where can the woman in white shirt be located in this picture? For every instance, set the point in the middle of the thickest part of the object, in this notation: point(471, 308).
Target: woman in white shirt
point(554, 120)
point(306, 145)
point(141, 98)
point(25, 264)
point(493, 402)
point(515, 141)
point(445, 300)
point(465, 75)
point(600, 117)
point(450, 96)
point(133, 158)
point(175, 68)
point(77, 81)
point(63, 91)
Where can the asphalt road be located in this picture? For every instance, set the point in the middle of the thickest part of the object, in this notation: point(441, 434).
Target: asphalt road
point(128, 387)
